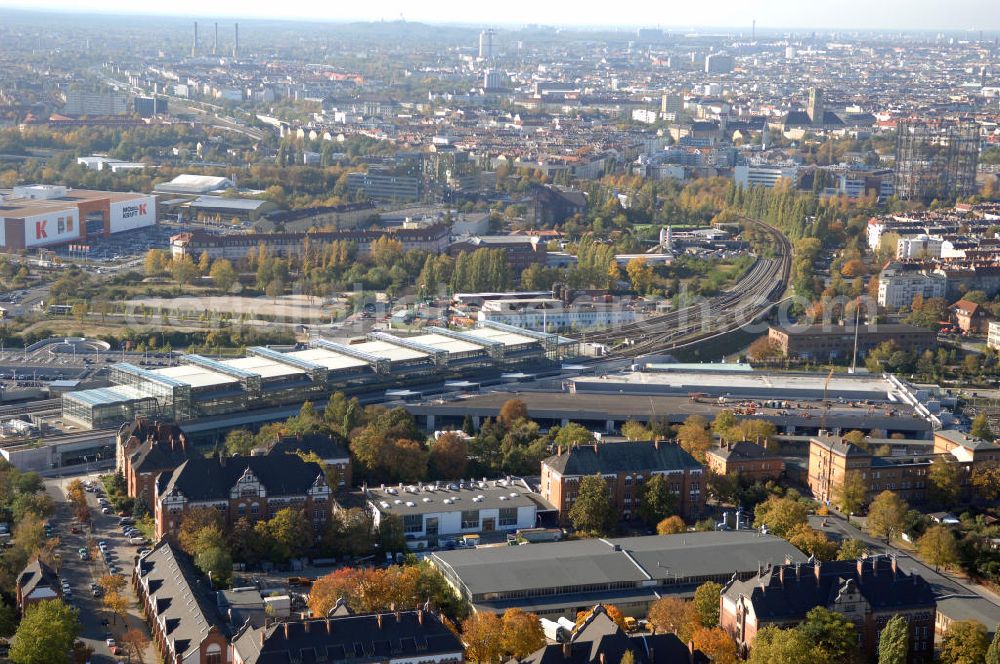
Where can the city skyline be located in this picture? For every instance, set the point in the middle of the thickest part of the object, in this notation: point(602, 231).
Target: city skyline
point(971, 16)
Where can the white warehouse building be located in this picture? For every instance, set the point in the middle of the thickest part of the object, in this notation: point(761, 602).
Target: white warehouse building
point(434, 512)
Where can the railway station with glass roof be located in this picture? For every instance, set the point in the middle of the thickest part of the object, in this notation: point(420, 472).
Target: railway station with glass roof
point(202, 387)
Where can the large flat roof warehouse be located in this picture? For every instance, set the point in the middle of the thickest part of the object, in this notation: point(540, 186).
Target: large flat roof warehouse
point(506, 338)
point(653, 560)
point(740, 383)
point(446, 343)
point(389, 351)
point(196, 376)
point(328, 358)
point(264, 367)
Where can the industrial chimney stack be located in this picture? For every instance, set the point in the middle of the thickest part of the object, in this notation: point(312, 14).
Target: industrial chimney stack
point(215, 46)
point(236, 43)
point(194, 45)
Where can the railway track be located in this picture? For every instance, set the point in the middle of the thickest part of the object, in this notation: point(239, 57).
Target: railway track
point(42, 406)
point(754, 294)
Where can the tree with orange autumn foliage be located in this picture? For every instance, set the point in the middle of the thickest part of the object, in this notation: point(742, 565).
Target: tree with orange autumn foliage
point(715, 643)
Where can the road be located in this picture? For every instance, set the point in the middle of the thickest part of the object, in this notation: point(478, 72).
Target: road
point(81, 574)
point(943, 584)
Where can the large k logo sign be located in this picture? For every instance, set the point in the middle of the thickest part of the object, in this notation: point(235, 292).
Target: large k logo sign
point(40, 229)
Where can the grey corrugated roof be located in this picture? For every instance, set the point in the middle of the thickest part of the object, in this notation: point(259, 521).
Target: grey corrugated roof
point(597, 561)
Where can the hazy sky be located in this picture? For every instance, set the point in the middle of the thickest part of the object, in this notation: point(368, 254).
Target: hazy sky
point(973, 15)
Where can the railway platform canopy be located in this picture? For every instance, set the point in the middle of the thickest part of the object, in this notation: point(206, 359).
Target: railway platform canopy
point(266, 379)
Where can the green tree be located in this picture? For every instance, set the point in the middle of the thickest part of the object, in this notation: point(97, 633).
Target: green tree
point(964, 643)
point(574, 434)
point(981, 427)
point(852, 494)
point(656, 500)
point(938, 546)
point(633, 430)
point(851, 549)
point(893, 643)
point(46, 634)
point(694, 438)
point(239, 441)
point(781, 514)
point(213, 556)
point(887, 515)
point(342, 414)
point(834, 634)
point(706, 603)
point(223, 275)
point(592, 510)
point(184, 270)
point(774, 645)
point(8, 620)
point(944, 482)
point(993, 652)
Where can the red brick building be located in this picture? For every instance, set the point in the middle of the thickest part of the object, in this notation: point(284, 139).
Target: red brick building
point(37, 582)
point(146, 449)
point(181, 611)
point(625, 467)
point(255, 487)
point(750, 461)
point(868, 592)
point(970, 317)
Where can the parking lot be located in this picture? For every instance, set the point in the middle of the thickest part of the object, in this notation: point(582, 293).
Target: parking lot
point(122, 246)
point(98, 623)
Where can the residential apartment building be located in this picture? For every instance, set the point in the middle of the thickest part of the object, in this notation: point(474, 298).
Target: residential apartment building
point(750, 461)
point(625, 467)
point(899, 283)
point(868, 592)
point(433, 239)
point(144, 450)
point(391, 637)
point(764, 175)
point(833, 461)
point(919, 247)
point(255, 487)
point(93, 103)
point(386, 186)
point(971, 317)
point(522, 250)
point(832, 342)
point(993, 335)
point(181, 611)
